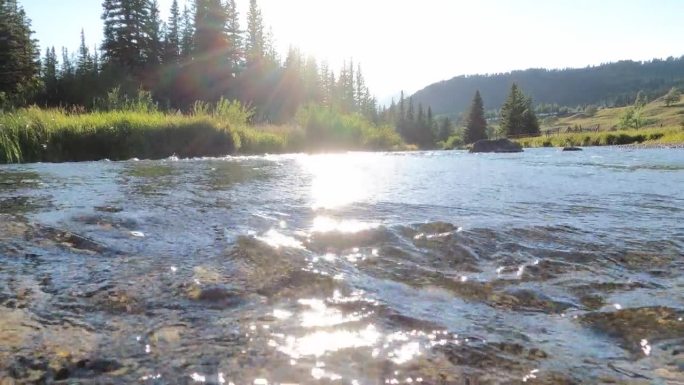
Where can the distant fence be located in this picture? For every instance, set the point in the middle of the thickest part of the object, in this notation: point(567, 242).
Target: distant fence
point(556, 131)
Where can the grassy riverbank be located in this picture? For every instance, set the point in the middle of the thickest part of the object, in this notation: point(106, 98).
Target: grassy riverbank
point(658, 125)
point(54, 135)
point(655, 136)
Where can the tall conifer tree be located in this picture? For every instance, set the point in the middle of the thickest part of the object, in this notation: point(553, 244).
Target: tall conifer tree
point(476, 126)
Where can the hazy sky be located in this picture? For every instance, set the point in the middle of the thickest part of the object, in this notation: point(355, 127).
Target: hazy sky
point(407, 45)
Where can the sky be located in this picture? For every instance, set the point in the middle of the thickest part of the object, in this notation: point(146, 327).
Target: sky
point(407, 45)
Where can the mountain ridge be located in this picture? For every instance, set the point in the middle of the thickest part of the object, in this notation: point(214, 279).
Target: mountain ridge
point(609, 84)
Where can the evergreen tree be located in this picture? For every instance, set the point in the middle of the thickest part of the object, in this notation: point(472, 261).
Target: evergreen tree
point(255, 43)
point(211, 69)
point(19, 55)
point(445, 130)
point(84, 65)
point(50, 80)
point(187, 34)
point(236, 56)
point(153, 46)
point(126, 32)
point(517, 114)
point(172, 38)
point(476, 126)
point(410, 115)
point(529, 118)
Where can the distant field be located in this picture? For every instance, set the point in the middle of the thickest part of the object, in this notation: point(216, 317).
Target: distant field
point(661, 125)
point(655, 136)
point(655, 114)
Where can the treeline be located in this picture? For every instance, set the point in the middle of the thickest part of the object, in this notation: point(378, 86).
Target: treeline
point(200, 53)
point(517, 118)
point(561, 91)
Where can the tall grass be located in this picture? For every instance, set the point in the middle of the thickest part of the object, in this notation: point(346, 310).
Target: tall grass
point(32, 135)
point(667, 135)
point(135, 128)
point(327, 129)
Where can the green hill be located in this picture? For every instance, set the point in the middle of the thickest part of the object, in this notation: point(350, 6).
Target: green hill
point(659, 125)
point(609, 85)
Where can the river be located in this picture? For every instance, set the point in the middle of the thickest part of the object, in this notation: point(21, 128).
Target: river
point(363, 268)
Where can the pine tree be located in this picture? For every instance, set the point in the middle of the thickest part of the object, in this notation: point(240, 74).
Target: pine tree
point(236, 56)
point(187, 34)
point(127, 31)
point(476, 126)
point(172, 38)
point(153, 47)
point(211, 68)
point(529, 118)
point(517, 114)
point(445, 130)
point(410, 114)
point(49, 75)
point(84, 65)
point(255, 43)
point(19, 55)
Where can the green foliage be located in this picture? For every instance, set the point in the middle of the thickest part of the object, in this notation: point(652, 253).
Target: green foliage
point(517, 114)
point(54, 135)
point(641, 99)
point(416, 129)
point(19, 64)
point(117, 101)
point(453, 142)
point(329, 129)
point(590, 110)
point(446, 129)
point(665, 135)
point(133, 130)
point(476, 126)
point(672, 97)
point(632, 118)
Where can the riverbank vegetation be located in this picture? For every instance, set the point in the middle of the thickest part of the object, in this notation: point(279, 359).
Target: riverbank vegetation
point(660, 121)
point(650, 136)
point(56, 135)
point(196, 84)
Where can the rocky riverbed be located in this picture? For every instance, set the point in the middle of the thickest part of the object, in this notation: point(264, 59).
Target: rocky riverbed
point(310, 270)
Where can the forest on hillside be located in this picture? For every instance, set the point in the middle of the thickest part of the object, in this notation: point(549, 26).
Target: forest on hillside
point(607, 85)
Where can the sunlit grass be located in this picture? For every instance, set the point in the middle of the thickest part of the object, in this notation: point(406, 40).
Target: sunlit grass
point(55, 135)
point(665, 135)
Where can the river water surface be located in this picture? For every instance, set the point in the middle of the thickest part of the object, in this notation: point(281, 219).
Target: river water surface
point(401, 268)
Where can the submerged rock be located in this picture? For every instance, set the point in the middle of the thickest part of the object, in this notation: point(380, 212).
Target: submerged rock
point(498, 146)
point(215, 294)
point(108, 209)
point(633, 326)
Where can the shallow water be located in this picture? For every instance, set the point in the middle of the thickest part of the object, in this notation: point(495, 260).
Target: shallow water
point(402, 268)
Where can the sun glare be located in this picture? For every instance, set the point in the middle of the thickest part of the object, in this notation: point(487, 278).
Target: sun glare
point(336, 180)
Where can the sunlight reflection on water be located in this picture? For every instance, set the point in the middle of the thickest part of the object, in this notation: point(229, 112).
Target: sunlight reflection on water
point(336, 179)
point(323, 224)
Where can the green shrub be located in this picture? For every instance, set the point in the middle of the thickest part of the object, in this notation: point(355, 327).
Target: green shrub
point(328, 129)
point(454, 141)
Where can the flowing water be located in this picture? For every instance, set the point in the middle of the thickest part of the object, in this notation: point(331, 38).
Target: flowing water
point(401, 268)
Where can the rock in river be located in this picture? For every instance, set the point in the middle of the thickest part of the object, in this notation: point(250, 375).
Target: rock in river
point(499, 145)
